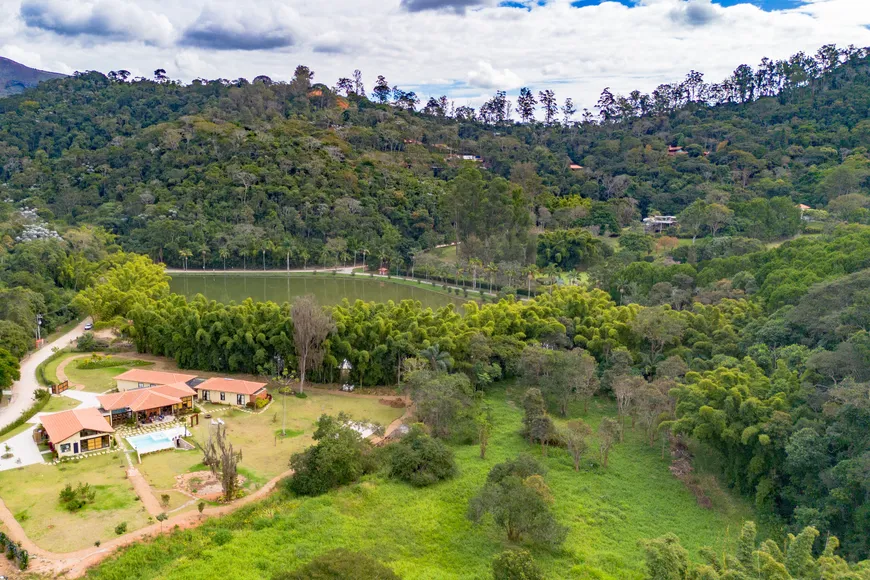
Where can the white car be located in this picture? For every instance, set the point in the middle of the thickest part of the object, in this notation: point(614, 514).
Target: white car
point(347, 388)
point(89, 325)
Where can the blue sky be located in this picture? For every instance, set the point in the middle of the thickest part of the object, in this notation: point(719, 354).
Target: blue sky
point(467, 49)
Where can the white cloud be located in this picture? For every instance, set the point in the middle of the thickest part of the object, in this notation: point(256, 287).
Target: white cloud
point(487, 77)
point(575, 51)
point(118, 20)
point(232, 25)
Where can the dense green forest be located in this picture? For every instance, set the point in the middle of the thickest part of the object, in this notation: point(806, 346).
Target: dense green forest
point(742, 328)
point(224, 172)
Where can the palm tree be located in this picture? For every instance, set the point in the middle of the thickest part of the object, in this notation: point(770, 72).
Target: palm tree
point(288, 246)
point(185, 254)
point(267, 246)
point(203, 250)
point(491, 269)
point(439, 360)
point(224, 253)
point(474, 264)
point(304, 255)
point(364, 253)
point(531, 272)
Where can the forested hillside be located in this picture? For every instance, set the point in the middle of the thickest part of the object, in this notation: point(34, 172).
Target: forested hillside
point(222, 171)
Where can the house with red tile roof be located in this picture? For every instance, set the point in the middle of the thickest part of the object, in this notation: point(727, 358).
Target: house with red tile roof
point(224, 391)
point(143, 378)
point(142, 405)
point(78, 431)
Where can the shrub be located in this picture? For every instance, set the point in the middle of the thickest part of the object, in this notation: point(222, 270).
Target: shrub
point(164, 500)
point(420, 459)
point(75, 499)
point(300, 395)
point(121, 528)
point(338, 565)
point(88, 342)
point(260, 403)
point(340, 457)
point(101, 362)
point(515, 565)
point(222, 536)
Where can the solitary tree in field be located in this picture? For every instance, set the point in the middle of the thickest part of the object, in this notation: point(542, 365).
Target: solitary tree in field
point(223, 461)
point(311, 326)
point(574, 435)
point(608, 435)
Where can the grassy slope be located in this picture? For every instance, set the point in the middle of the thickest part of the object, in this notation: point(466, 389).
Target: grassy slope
point(425, 534)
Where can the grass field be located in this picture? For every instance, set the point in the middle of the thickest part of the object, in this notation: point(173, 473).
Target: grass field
point(264, 455)
point(424, 533)
point(31, 494)
point(59, 403)
point(94, 380)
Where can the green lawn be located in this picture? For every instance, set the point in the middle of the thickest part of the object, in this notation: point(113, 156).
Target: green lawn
point(31, 494)
point(264, 455)
point(424, 533)
point(59, 403)
point(94, 380)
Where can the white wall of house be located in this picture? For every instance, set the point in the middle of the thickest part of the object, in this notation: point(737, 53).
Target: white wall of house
point(67, 447)
point(224, 398)
point(130, 385)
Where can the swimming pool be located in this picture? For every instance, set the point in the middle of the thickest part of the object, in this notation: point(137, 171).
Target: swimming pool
point(156, 441)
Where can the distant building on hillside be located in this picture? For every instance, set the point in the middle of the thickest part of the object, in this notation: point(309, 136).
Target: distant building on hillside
point(575, 167)
point(659, 222)
point(674, 150)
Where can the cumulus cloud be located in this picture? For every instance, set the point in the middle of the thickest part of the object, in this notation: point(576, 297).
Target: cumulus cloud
point(119, 20)
point(243, 26)
point(457, 6)
point(695, 12)
point(485, 76)
point(332, 43)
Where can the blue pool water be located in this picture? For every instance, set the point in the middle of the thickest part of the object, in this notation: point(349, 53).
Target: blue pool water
point(157, 441)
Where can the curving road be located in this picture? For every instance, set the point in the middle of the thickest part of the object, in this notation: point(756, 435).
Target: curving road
point(22, 390)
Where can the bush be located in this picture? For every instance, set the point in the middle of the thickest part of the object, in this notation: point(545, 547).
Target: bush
point(338, 565)
point(420, 459)
point(340, 456)
point(75, 499)
point(222, 536)
point(261, 403)
point(121, 528)
point(515, 565)
point(300, 395)
point(88, 342)
point(97, 361)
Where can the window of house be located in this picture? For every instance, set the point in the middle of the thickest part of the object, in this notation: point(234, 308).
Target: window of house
point(205, 395)
point(223, 396)
point(141, 385)
point(240, 399)
point(64, 447)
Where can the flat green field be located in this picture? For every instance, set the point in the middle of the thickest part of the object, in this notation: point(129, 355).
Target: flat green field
point(94, 380)
point(31, 494)
point(424, 533)
point(59, 403)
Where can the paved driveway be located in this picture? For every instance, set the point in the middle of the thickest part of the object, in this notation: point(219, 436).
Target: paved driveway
point(23, 449)
point(22, 390)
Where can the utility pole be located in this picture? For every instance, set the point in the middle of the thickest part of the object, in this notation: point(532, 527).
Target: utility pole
point(38, 325)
